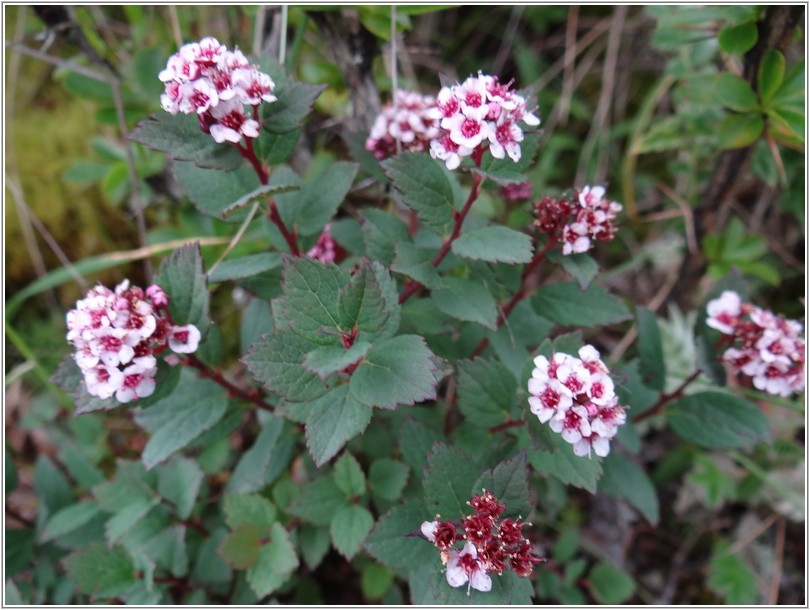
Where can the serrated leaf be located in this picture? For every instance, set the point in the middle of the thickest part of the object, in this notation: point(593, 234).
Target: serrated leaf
point(251, 471)
point(486, 392)
point(610, 584)
point(397, 371)
point(771, 74)
point(52, 488)
point(382, 232)
point(650, 351)
point(314, 543)
point(294, 103)
point(101, 572)
point(329, 359)
point(580, 266)
point(212, 191)
point(467, 300)
point(553, 456)
point(732, 578)
point(356, 143)
point(209, 566)
point(179, 482)
point(319, 501)
point(623, 479)
point(276, 148)
point(181, 417)
point(277, 560)
point(244, 266)
point(449, 481)
point(565, 303)
point(509, 482)
point(389, 542)
point(416, 441)
point(125, 519)
point(424, 186)
point(334, 419)
point(506, 171)
point(349, 476)
point(168, 550)
point(364, 306)
point(182, 277)
point(739, 130)
point(179, 135)
point(276, 361)
point(494, 244)
point(737, 38)
point(249, 508)
point(416, 263)
point(349, 528)
point(68, 519)
point(387, 478)
point(261, 194)
point(717, 421)
point(69, 377)
point(240, 548)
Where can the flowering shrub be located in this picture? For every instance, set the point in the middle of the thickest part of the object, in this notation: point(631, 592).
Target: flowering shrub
point(356, 330)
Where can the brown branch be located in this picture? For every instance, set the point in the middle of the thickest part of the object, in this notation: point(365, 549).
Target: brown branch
point(512, 423)
point(252, 396)
point(665, 398)
point(290, 238)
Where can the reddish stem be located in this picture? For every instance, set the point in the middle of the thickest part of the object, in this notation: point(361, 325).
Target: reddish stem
point(665, 398)
point(521, 293)
point(249, 153)
point(251, 396)
point(275, 218)
point(512, 423)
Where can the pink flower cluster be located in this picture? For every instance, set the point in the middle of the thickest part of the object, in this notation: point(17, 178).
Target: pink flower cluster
point(478, 112)
point(576, 396)
point(765, 346)
point(207, 79)
point(577, 223)
point(117, 335)
point(324, 250)
point(488, 543)
point(412, 119)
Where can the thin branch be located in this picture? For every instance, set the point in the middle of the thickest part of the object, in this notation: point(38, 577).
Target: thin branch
point(252, 396)
point(665, 398)
point(175, 23)
point(779, 554)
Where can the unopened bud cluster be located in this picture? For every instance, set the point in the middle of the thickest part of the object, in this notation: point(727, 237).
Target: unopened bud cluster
point(576, 397)
point(325, 249)
point(765, 346)
point(410, 119)
point(489, 545)
point(578, 222)
point(117, 335)
point(206, 79)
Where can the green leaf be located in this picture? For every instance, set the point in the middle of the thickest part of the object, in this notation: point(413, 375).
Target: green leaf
point(397, 371)
point(349, 476)
point(179, 135)
point(416, 441)
point(734, 92)
point(494, 244)
point(11, 473)
point(349, 528)
point(364, 306)
point(509, 482)
point(213, 191)
point(771, 74)
point(68, 520)
point(508, 589)
point(486, 392)
point(730, 577)
point(739, 130)
point(252, 469)
point(565, 303)
point(738, 38)
point(277, 560)
point(260, 194)
point(390, 543)
point(387, 478)
point(505, 171)
point(580, 266)
point(329, 359)
point(467, 300)
point(240, 548)
point(244, 267)
point(334, 419)
point(555, 457)
point(179, 482)
point(294, 103)
point(18, 550)
point(375, 581)
point(276, 148)
point(416, 263)
point(178, 419)
point(52, 488)
point(319, 501)
point(717, 421)
point(310, 208)
point(610, 584)
point(315, 543)
point(623, 479)
point(101, 572)
point(424, 186)
point(382, 233)
point(449, 481)
point(254, 509)
point(276, 361)
point(182, 277)
point(650, 351)
point(125, 519)
point(168, 550)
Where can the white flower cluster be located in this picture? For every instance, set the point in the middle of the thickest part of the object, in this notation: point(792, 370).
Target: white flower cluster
point(412, 119)
point(593, 219)
point(576, 396)
point(767, 347)
point(207, 79)
point(479, 111)
point(117, 335)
